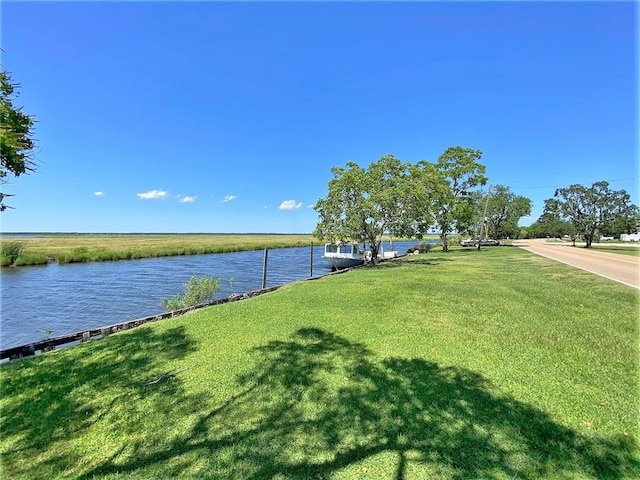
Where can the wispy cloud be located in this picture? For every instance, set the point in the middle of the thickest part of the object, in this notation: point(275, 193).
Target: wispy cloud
point(228, 198)
point(153, 195)
point(290, 205)
point(99, 193)
point(188, 199)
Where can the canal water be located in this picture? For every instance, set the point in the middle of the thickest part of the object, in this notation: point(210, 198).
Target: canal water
point(53, 300)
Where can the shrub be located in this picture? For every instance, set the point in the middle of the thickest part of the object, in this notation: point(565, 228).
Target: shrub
point(422, 247)
point(454, 240)
point(197, 290)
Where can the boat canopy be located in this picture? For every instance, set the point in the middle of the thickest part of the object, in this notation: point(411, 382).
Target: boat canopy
point(345, 248)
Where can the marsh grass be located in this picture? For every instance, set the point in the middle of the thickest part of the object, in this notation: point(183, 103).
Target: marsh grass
point(9, 252)
point(493, 364)
point(14, 253)
point(30, 258)
point(95, 248)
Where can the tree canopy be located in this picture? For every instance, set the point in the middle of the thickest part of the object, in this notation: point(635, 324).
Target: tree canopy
point(550, 224)
point(504, 211)
point(409, 200)
point(16, 142)
point(363, 204)
point(453, 202)
point(593, 210)
point(399, 198)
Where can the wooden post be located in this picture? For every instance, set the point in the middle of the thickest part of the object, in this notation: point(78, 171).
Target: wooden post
point(311, 261)
point(264, 268)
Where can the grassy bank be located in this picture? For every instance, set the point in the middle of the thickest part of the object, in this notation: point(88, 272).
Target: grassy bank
point(632, 250)
point(492, 364)
point(619, 247)
point(93, 248)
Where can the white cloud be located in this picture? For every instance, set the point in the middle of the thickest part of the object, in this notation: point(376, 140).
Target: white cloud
point(290, 205)
point(99, 194)
point(188, 199)
point(152, 195)
point(228, 198)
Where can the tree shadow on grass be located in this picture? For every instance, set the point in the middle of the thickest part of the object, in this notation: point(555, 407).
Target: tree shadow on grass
point(52, 399)
point(318, 403)
point(413, 260)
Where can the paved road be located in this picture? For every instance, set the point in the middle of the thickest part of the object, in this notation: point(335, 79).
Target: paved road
point(619, 267)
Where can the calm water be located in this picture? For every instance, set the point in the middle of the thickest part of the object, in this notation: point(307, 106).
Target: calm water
point(74, 297)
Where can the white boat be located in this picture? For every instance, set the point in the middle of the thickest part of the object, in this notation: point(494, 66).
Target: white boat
point(391, 253)
point(345, 255)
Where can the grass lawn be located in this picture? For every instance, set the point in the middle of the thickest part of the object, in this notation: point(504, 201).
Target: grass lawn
point(623, 248)
point(630, 250)
point(493, 364)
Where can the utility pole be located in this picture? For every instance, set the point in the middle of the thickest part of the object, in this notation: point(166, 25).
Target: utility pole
point(484, 216)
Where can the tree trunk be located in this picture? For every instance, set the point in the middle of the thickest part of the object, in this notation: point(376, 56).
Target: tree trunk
point(374, 254)
point(588, 239)
point(443, 239)
point(375, 248)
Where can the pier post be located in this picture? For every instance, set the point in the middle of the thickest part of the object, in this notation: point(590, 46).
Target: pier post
point(264, 268)
point(311, 261)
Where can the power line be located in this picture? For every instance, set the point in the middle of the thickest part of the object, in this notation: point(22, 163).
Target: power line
point(628, 180)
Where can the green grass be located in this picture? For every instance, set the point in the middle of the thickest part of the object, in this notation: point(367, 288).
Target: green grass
point(96, 248)
point(9, 252)
point(630, 250)
point(622, 248)
point(493, 364)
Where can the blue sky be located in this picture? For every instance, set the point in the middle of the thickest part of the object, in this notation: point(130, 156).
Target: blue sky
point(227, 117)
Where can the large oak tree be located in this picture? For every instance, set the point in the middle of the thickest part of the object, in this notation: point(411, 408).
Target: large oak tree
point(453, 204)
point(593, 209)
point(504, 211)
point(363, 204)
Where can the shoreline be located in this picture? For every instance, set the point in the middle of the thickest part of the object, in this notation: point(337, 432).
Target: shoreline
point(36, 249)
